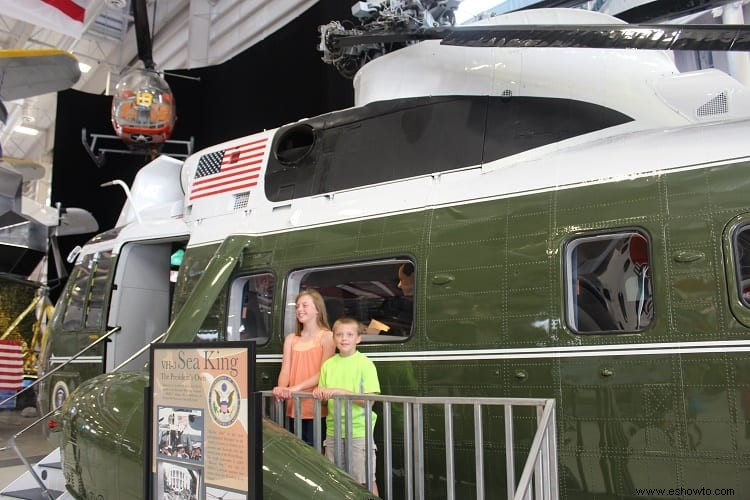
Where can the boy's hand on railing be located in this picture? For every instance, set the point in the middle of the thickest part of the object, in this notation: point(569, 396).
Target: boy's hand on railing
point(324, 394)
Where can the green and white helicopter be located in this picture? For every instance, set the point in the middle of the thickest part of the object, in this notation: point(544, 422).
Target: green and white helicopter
point(577, 224)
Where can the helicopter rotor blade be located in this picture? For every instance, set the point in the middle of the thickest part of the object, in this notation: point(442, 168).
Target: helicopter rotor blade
point(142, 33)
point(615, 36)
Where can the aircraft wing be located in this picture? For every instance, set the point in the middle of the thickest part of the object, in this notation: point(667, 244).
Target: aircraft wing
point(25, 224)
point(76, 221)
point(29, 170)
point(25, 73)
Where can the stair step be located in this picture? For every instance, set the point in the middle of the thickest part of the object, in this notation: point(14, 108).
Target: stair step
point(49, 470)
point(31, 494)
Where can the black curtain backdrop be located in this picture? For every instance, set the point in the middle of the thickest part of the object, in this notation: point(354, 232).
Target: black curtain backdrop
point(278, 81)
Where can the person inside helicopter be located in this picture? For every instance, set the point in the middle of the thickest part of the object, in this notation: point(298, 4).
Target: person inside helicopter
point(397, 312)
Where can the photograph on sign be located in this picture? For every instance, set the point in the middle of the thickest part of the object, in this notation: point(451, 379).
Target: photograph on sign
point(180, 435)
point(178, 481)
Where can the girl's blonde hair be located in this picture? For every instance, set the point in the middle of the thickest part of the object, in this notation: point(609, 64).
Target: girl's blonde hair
point(319, 304)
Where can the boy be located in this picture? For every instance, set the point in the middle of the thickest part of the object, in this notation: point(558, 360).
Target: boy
point(349, 372)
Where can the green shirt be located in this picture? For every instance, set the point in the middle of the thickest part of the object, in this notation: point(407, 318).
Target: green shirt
point(355, 373)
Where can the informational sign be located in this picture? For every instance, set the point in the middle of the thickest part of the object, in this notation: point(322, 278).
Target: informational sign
point(205, 433)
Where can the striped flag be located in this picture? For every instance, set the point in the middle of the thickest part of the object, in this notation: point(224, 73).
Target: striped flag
point(233, 169)
point(63, 16)
point(11, 365)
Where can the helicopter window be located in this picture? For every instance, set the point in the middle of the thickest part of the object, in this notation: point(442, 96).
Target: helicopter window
point(191, 268)
point(609, 284)
point(378, 294)
point(251, 308)
point(98, 289)
point(295, 144)
point(78, 285)
point(86, 292)
point(741, 248)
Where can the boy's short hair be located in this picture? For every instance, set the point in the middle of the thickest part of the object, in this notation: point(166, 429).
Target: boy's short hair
point(346, 320)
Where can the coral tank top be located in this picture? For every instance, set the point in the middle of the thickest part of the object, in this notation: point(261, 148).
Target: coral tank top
point(307, 358)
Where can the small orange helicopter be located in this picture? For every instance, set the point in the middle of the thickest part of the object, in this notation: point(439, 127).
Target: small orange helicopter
point(143, 107)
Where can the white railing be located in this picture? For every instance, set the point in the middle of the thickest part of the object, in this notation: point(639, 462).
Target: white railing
point(538, 479)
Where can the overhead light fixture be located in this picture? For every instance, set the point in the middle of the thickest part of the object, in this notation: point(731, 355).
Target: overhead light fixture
point(26, 130)
point(28, 114)
point(85, 68)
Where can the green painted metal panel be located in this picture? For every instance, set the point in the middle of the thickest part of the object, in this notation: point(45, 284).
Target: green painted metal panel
point(624, 422)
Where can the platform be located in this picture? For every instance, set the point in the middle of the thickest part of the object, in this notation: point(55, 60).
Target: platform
point(33, 445)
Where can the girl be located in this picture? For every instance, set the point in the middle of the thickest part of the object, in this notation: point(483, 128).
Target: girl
point(304, 354)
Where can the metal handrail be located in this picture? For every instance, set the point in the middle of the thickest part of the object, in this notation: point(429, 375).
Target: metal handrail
point(75, 356)
point(14, 437)
point(17, 450)
point(139, 352)
point(540, 466)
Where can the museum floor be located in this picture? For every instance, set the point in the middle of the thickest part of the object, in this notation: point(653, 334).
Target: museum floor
point(32, 443)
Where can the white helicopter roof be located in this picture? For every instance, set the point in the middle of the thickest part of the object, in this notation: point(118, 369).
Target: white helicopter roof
point(643, 84)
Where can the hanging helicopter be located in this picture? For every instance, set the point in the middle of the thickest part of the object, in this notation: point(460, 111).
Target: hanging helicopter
point(573, 235)
point(143, 107)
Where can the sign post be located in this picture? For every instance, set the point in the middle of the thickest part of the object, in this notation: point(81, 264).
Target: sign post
point(205, 431)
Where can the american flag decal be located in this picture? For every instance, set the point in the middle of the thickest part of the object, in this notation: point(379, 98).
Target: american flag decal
point(232, 169)
point(11, 365)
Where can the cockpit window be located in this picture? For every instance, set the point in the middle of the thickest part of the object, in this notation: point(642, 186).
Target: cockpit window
point(251, 308)
point(741, 249)
point(98, 290)
point(380, 295)
point(609, 287)
point(86, 292)
point(78, 287)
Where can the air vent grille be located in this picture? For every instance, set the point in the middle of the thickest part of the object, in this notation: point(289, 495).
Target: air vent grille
point(241, 199)
point(717, 105)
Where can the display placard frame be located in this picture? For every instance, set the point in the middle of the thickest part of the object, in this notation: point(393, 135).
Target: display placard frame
point(202, 420)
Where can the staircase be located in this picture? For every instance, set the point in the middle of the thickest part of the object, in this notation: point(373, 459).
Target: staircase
point(49, 470)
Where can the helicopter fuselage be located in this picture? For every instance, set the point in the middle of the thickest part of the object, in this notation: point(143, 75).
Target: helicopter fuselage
point(577, 223)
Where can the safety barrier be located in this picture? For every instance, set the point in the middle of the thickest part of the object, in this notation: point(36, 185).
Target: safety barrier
point(12, 441)
point(538, 478)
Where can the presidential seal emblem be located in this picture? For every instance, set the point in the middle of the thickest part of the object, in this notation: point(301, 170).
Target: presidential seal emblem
point(60, 393)
point(224, 401)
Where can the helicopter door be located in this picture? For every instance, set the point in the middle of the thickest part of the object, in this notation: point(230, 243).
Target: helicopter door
point(140, 301)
